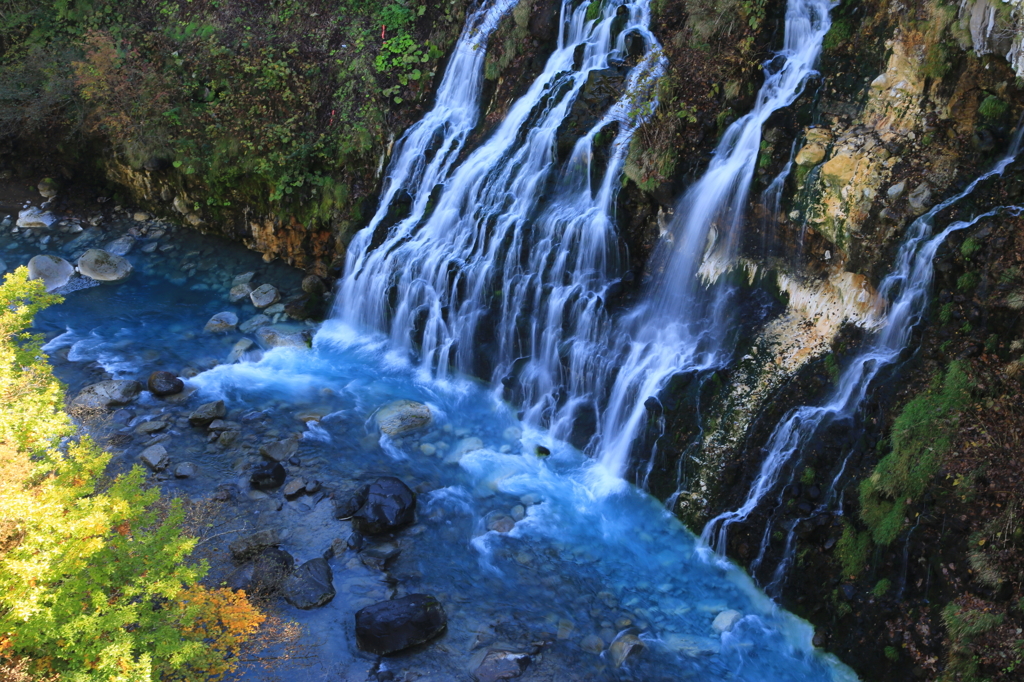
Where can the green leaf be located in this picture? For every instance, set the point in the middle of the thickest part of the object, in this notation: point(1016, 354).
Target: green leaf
point(398, 100)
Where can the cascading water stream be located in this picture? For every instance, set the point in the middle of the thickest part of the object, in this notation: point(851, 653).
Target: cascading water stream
point(472, 275)
point(678, 326)
point(907, 287)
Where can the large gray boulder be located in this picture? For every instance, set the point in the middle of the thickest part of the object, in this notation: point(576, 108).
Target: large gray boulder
point(102, 266)
point(402, 415)
point(155, 457)
point(264, 295)
point(391, 626)
point(53, 270)
point(206, 413)
point(107, 394)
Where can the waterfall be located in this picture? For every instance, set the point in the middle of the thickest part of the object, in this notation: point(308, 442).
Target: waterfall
point(679, 326)
point(504, 262)
point(477, 278)
point(906, 286)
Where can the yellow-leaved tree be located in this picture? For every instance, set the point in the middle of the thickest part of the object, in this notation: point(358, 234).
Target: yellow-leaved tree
point(95, 577)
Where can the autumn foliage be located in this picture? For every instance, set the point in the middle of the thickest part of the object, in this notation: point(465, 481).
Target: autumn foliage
point(95, 576)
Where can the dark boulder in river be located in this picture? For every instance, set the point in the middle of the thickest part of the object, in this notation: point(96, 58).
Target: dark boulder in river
point(391, 626)
point(389, 505)
point(268, 477)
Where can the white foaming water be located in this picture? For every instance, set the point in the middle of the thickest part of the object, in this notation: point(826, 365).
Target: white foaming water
point(907, 286)
point(473, 280)
point(680, 327)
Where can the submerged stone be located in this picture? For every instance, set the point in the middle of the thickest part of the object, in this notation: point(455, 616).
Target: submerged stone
point(501, 665)
point(221, 322)
point(401, 416)
point(391, 626)
point(268, 477)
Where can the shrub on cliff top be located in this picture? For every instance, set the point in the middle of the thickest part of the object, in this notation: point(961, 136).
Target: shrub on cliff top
point(95, 581)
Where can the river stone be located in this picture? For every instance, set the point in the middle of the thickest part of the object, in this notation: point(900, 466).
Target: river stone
point(389, 505)
point(238, 350)
point(726, 620)
point(149, 427)
point(243, 278)
point(53, 270)
point(592, 644)
point(249, 546)
point(294, 489)
point(121, 246)
point(270, 337)
point(155, 457)
point(501, 665)
point(281, 450)
point(269, 571)
point(48, 188)
point(377, 557)
point(254, 323)
point(35, 218)
point(185, 470)
point(101, 266)
point(625, 646)
point(163, 383)
point(207, 412)
point(140, 216)
point(402, 415)
point(221, 322)
point(268, 477)
point(501, 523)
point(264, 295)
point(239, 292)
point(463, 448)
point(314, 285)
point(106, 394)
point(310, 585)
point(388, 627)
point(346, 506)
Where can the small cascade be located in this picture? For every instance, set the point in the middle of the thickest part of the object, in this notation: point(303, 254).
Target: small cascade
point(680, 325)
point(907, 287)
